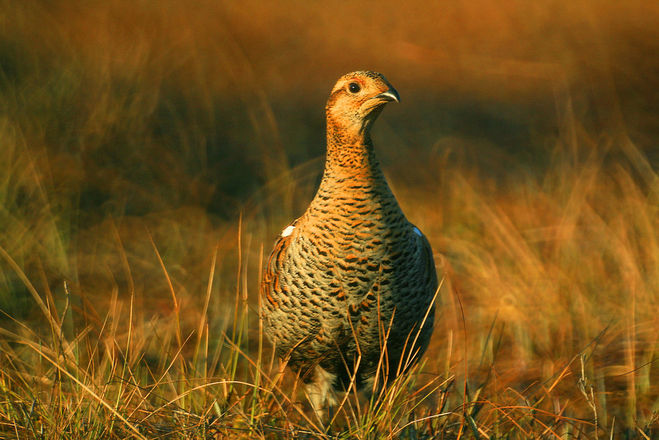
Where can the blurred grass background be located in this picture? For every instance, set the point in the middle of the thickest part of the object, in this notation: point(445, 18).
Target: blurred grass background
point(525, 148)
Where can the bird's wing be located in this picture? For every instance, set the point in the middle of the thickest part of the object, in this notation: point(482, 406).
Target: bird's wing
point(428, 260)
point(270, 281)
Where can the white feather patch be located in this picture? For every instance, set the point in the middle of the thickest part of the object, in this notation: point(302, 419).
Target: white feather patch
point(417, 232)
point(286, 232)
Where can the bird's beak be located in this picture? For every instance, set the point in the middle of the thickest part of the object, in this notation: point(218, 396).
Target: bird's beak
point(389, 95)
point(372, 107)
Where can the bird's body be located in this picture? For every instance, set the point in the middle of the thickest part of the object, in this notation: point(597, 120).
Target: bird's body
point(352, 269)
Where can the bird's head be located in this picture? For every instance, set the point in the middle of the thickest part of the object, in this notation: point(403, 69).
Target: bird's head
point(356, 101)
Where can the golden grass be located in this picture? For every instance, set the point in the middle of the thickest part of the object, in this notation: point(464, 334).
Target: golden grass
point(151, 151)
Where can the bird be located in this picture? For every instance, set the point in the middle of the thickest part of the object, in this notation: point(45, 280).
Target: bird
point(350, 286)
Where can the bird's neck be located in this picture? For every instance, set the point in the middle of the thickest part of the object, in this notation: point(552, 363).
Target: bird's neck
point(351, 159)
point(353, 188)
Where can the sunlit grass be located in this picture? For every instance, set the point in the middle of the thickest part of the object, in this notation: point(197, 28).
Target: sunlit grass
point(546, 323)
point(144, 174)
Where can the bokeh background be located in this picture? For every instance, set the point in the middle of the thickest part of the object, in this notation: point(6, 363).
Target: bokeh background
point(525, 146)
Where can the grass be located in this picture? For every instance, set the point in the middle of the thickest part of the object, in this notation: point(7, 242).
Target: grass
point(151, 154)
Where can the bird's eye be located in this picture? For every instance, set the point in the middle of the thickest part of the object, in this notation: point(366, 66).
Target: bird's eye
point(354, 87)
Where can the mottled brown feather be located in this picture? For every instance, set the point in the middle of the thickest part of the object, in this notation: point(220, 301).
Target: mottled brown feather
point(352, 263)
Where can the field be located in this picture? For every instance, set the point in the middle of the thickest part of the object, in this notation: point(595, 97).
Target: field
point(151, 151)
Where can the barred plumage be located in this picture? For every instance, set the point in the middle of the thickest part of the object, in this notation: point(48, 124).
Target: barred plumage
point(352, 264)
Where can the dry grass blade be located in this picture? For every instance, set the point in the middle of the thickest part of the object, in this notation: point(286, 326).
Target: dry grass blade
point(88, 390)
point(528, 161)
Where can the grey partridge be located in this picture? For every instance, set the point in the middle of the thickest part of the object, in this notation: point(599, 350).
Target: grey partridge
point(352, 268)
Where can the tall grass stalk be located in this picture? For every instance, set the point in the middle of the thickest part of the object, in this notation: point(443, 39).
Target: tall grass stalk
point(133, 134)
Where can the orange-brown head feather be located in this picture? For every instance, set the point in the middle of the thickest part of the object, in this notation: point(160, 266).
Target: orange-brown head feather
point(356, 101)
